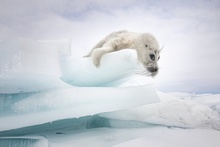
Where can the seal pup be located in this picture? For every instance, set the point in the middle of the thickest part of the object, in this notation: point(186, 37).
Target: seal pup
point(145, 44)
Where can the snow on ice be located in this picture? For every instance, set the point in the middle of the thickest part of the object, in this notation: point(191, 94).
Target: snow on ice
point(48, 98)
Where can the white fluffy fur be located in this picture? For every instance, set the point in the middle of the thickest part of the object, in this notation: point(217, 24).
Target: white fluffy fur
point(144, 43)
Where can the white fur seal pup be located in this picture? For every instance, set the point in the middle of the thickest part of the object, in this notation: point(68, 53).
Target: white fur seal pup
point(145, 44)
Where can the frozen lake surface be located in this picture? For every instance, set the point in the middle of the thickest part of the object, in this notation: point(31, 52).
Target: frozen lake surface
point(48, 98)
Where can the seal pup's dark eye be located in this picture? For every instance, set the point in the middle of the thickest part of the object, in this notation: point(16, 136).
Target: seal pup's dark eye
point(158, 58)
point(152, 57)
point(146, 45)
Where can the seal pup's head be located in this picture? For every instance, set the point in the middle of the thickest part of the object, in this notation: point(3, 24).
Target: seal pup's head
point(148, 52)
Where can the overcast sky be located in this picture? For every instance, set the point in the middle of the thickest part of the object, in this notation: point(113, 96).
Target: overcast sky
point(190, 61)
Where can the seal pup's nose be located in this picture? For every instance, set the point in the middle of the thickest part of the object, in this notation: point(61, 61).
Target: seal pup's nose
point(152, 69)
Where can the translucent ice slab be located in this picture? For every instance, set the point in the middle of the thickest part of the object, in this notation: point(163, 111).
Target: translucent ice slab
point(72, 102)
point(27, 66)
point(24, 141)
point(115, 66)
